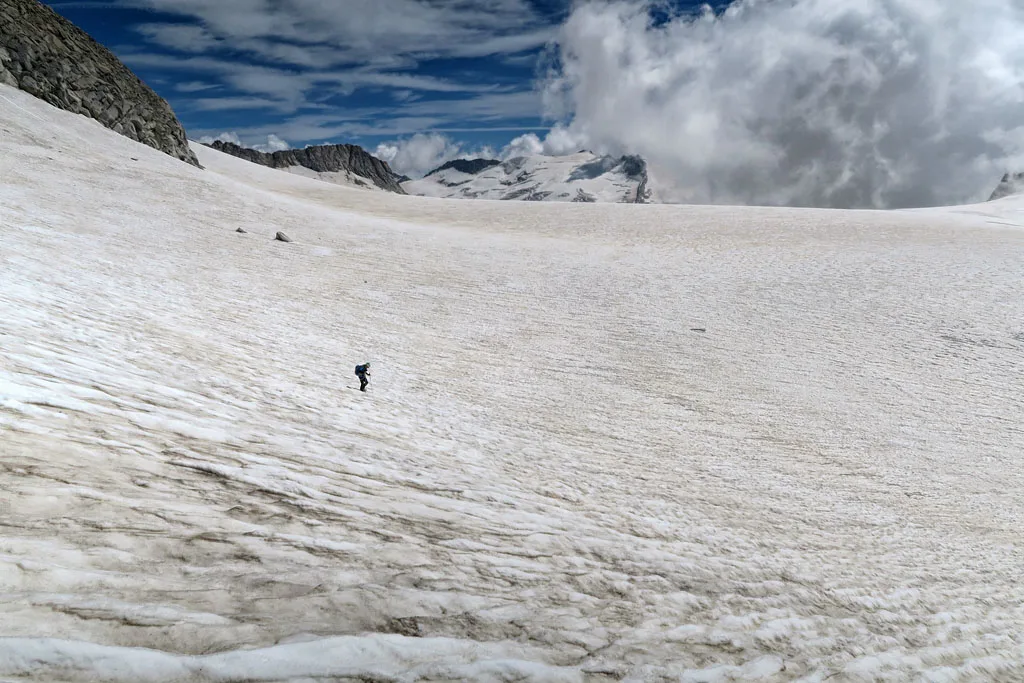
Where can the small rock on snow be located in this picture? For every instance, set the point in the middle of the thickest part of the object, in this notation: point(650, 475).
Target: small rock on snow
point(281, 237)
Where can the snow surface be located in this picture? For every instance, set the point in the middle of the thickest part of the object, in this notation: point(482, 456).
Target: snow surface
point(553, 477)
point(580, 177)
point(345, 178)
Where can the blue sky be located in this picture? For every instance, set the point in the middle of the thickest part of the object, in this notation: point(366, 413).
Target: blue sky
point(315, 71)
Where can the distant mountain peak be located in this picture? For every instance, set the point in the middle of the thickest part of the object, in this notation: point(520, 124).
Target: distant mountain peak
point(469, 166)
point(1011, 183)
point(322, 159)
point(580, 177)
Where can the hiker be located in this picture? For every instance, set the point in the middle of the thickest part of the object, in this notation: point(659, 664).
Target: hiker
point(362, 372)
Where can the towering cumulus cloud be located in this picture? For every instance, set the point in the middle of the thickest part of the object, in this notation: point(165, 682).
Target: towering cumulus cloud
point(841, 103)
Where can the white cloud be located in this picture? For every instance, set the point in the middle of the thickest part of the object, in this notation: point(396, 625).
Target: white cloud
point(419, 154)
point(194, 86)
point(558, 142)
point(523, 146)
point(273, 143)
point(561, 140)
point(184, 37)
point(286, 88)
point(323, 33)
point(238, 103)
point(337, 126)
point(861, 103)
point(223, 137)
point(290, 90)
point(486, 106)
point(369, 77)
point(423, 152)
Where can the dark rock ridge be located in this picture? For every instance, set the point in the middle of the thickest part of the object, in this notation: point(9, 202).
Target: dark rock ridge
point(47, 56)
point(1010, 184)
point(635, 167)
point(468, 166)
point(322, 159)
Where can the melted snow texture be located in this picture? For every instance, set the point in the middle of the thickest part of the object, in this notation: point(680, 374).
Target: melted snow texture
point(345, 178)
point(581, 177)
point(552, 478)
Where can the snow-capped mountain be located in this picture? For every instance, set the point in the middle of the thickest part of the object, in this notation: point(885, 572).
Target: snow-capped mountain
point(1010, 184)
point(580, 177)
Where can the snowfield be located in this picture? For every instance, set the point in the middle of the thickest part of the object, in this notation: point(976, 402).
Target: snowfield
point(345, 178)
point(554, 476)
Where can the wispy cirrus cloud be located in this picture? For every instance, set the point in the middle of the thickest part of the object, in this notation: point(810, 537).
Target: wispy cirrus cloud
point(375, 66)
point(327, 33)
point(290, 90)
point(330, 127)
point(184, 37)
point(487, 112)
point(255, 78)
point(240, 103)
point(195, 86)
point(278, 88)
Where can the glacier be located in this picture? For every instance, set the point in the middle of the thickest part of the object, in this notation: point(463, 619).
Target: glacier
point(555, 475)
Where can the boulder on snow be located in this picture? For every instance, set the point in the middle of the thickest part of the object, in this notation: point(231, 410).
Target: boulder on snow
point(242, 230)
point(281, 237)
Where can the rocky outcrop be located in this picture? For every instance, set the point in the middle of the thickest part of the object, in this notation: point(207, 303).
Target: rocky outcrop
point(635, 167)
point(322, 159)
point(1010, 184)
point(47, 56)
point(470, 166)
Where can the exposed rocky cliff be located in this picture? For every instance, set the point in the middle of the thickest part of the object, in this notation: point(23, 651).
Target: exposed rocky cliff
point(1010, 184)
point(470, 166)
point(47, 56)
point(322, 159)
